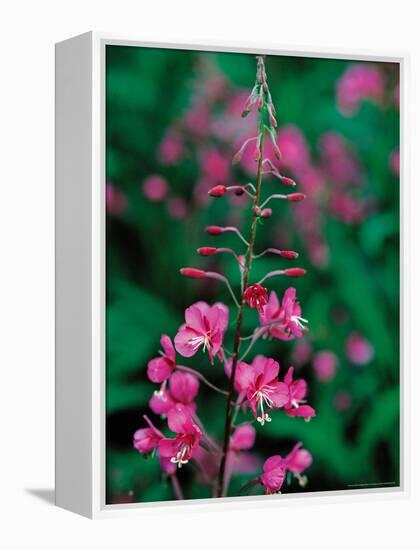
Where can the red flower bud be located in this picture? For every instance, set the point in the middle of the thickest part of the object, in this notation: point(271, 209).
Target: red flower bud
point(192, 272)
point(217, 191)
point(288, 254)
point(239, 191)
point(207, 250)
point(294, 272)
point(256, 296)
point(266, 212)
point(296, 197)
point(257, 210)
point(273, 121)
point(260, 103)
point(287, 181)
point(214, 230)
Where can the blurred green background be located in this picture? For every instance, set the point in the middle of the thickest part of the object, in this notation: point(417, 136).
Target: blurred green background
point(172, 126)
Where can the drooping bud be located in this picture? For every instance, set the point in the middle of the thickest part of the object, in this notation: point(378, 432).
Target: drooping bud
point(239, 191)
point(288, 181)
point(266, 212)
point(273, 121)
point(192, 272)
point(296, 197)
point(207, 250)
point(294, 272)
point(214, 230)
point(217, 191)
point(256, 296)
point(288, 254)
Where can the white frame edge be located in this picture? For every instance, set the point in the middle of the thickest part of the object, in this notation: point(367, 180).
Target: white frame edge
point(80, 282)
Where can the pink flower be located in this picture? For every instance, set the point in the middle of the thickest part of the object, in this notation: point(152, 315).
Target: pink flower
point(160, 368)
point(155, 188)
point(274, 474)
point(295, 404)
point(214, 165)
point(265, 392)
point(183, 389)
point(243, 438)
point(292, 144)
point(358, 349)
point(282, 322)
point(147, 440)
point(116, 203)
point(276, 467)
point(325, 365)
point(298, 460)
point(359, 82)
point(256, 296)
point(188, 435)
point(302, 352)
point(171, 148)
point(239, 460)
point(204, 328)
point(177, 207)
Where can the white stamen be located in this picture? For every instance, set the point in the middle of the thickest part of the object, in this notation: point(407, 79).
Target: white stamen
point(179, 458)
point(263, 399)
point(199, 341)
point(298, 321)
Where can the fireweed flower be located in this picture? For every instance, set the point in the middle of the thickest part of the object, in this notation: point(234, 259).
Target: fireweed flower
point(239, 459)
point(188, 435)
point(325, 364)
point(358, 349)
point(160, 368)
point(276, 467)
point(265, 392)
point(183, 389)
point(256, 296)
point(295, 404)
point(274, 473)
point(283, 322)
point(204, 328)
point(147, 439)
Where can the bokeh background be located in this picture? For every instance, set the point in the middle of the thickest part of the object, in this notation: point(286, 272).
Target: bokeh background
point(172, 126)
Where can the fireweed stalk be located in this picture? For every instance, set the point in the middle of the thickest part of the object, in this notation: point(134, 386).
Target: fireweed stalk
point(252, 386)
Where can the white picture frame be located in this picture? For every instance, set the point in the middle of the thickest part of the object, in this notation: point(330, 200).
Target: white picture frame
point(80, 281)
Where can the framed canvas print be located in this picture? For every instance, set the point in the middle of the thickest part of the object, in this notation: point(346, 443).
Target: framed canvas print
point(228, 295)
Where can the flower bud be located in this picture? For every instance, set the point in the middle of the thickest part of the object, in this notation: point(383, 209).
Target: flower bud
point(273, 121)
point(217, 191)
point(239, 191)
point(257, 210)
point(288, 254)
point(294, 272)
point(296, 197)
point(207, 250)
point(287, 181)
point(192, 272)
point(214, 230)
point(266, 212)
point(256, 296)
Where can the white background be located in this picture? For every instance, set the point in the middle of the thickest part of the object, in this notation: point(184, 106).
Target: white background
point(28, 32)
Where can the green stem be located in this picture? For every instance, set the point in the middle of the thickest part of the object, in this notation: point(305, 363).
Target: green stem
point(228, 419)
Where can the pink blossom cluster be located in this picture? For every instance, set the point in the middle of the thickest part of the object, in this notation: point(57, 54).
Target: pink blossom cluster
point(359, 82)
point(257, 388)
